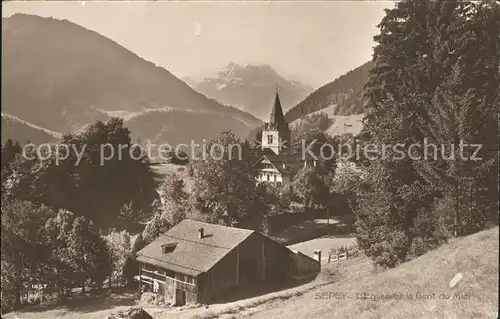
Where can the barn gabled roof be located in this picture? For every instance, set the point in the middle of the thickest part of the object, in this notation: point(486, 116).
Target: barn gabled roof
point(191, 254)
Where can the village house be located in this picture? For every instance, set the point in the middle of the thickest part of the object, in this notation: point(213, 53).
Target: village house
point(195, 262)
point(279, 164)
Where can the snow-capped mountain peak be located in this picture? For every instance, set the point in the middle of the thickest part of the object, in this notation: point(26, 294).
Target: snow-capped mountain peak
point(252, 86)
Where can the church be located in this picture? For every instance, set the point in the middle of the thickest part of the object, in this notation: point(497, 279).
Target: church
point(278, 164)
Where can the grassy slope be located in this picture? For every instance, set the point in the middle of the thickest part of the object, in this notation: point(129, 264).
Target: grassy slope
point(180, 170)
point(475, 256)
point(341, 124)
point(22, 131)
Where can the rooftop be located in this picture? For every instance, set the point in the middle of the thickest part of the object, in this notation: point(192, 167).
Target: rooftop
point(193, 255)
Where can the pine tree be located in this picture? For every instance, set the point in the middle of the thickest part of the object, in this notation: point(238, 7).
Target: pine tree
point(463, 110)
point(415, 52)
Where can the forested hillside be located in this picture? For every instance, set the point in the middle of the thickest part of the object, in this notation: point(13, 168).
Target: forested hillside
point(346, 92)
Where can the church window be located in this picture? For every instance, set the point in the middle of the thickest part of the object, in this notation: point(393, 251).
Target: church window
point(269, 139)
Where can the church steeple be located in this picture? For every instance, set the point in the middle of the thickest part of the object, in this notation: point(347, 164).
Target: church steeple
point(276, 134)
point(277, 118)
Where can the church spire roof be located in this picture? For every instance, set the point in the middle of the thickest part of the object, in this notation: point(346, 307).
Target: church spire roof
point(277, 116)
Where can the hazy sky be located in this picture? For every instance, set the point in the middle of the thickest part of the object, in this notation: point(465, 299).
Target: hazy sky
point(314, 42)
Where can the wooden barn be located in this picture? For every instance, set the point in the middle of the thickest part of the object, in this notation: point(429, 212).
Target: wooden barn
point(194, 262)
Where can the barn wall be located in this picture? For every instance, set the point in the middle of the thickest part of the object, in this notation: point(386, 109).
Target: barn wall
point(173, 285)
point(269, 259)
point(301, 265)
point(276, 258)
point(167, 286)
point(223, 275)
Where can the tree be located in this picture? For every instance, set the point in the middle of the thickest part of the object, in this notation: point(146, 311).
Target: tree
point(455, 116)
point(95, 176)
point(419, 46)
point(120, 248)
point(59, 274)
point(78, 254)
point(267, 202)
point(397, 95)
point(8, 287)
point(173, 189)
point(225, 180)
point(127, 212)
point(310, 187)
point(322, 146)
point(463, 110)
point(348, 183)
point(88, 254)
point(21, 250)
point(156, 226)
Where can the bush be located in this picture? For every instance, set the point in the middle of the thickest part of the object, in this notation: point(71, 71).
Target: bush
point(7, 286)
point(285, 199)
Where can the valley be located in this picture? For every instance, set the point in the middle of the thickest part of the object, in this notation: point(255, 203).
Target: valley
point(274, 212)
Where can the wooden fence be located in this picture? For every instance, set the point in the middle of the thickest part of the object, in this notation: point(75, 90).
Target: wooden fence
point(340, 254)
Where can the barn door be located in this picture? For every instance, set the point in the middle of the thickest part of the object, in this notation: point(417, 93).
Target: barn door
point(180, 297)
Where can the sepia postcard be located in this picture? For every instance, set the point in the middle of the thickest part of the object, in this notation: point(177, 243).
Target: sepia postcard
point(250, 159)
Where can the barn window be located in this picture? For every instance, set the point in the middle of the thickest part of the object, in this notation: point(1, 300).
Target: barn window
point(167, 248)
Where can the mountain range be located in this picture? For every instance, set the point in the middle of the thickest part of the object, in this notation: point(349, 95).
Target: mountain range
point(252, 88)
point(59, 76)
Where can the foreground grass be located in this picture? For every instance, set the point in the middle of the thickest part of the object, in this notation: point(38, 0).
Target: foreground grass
point(339, 290)
point(426, 279)
point(90, 306)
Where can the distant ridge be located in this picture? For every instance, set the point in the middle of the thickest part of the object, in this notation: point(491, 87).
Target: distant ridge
point(23, 132)
point(346, 92)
